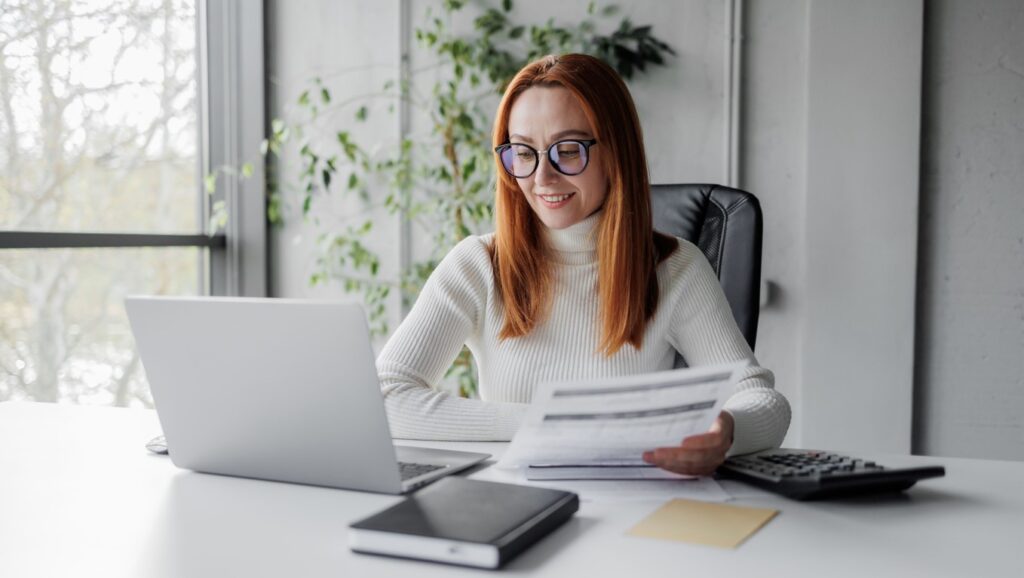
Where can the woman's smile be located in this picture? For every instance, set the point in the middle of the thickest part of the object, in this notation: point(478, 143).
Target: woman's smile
point(555, 200)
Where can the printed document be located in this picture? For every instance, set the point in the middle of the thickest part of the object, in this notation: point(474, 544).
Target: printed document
point(585, 426)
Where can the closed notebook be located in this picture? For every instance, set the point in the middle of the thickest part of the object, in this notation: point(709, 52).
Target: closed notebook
point(465, 522)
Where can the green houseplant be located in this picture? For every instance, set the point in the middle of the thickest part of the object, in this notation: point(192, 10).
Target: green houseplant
point(443, 182)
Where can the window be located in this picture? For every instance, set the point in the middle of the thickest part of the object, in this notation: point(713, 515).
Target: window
point(103, 144)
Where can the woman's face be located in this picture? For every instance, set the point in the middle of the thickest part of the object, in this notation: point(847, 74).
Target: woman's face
point(540, 117)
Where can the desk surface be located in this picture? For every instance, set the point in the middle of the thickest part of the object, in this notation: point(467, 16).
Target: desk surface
point(79, 496)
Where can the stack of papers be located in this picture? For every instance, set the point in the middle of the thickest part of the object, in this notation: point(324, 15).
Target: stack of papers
point(599, 429)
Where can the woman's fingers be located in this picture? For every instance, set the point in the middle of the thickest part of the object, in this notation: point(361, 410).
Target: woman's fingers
point(697, 455)
point(705, 440)
point(685, 461)
point(714, 437)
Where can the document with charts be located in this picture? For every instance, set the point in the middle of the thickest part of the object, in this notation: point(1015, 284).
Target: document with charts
point(611, 422)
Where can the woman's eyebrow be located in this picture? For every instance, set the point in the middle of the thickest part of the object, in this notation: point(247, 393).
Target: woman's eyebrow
point(554, 137)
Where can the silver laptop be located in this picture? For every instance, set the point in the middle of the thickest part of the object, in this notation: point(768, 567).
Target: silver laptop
point(276, 389)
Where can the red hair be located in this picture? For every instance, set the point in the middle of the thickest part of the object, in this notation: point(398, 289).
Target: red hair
point(628, 248)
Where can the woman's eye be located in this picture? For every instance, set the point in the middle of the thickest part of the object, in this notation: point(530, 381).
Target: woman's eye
point(524, 156)
point(568, 153)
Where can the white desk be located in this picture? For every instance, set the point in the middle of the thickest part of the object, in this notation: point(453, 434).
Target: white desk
point(79, 496)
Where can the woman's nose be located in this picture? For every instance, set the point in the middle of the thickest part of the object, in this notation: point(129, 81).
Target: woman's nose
point(546, 172)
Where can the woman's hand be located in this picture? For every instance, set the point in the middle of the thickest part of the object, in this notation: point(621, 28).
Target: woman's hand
point(698, 455)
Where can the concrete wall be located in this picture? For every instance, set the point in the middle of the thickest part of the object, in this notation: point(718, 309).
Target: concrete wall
point(356, 46)
point(353, 47)
point(773, 165)
point(970, 324)
point(682, 106)
point(863, 111)
point(830, 106)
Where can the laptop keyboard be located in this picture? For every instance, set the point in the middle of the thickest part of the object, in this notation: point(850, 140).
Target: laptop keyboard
point(410, 470)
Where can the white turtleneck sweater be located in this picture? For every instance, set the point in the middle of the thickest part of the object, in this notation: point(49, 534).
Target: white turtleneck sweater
point(459, 305)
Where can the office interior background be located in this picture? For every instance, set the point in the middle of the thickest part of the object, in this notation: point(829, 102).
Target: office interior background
point(884, 140)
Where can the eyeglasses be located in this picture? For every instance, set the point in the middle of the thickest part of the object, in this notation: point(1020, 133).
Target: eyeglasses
point(569, 157)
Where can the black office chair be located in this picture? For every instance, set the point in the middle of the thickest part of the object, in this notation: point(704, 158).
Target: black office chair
point(726, 224)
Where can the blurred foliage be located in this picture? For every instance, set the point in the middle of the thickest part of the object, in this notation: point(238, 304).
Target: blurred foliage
point(443, 183)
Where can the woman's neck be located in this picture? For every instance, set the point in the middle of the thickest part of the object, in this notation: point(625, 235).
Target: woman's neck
point(575, 244)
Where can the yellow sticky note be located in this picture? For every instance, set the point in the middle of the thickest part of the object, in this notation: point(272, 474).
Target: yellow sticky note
point(703, 523)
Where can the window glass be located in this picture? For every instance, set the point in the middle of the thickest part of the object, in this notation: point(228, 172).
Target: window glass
point(98, 133)
point(98, 116)
point(64, 334)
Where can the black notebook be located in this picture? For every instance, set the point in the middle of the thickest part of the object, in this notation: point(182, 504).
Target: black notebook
point(465, 522)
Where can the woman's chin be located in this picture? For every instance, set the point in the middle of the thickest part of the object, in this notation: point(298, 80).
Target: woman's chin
point(561, 218)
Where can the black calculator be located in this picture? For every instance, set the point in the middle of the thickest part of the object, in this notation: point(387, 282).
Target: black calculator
point(816, 474)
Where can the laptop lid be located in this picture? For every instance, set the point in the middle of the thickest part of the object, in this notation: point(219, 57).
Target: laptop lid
point(276, 389)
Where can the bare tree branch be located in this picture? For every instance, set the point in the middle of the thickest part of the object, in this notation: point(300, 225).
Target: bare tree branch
point(121, 386)
point(48, 172)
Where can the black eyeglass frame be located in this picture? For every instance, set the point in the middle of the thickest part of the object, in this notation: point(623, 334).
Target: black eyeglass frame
point(585, 143)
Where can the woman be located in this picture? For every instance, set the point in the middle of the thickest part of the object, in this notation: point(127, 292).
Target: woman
point(573, 284)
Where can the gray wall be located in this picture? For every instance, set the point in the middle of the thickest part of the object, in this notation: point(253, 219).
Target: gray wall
point(970, 323)
point(829, 97)
point(831, 104)
point(683, 107)
point(353, 47)
point(773, 166)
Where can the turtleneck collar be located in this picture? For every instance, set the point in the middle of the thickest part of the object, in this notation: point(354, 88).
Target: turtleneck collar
point(576, 244)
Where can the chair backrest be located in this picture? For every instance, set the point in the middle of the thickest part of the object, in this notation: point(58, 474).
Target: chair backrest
point(726, 224)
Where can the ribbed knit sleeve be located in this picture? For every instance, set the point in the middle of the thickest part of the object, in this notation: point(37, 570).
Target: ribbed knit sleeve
point(705, 333)
point(447, 312)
